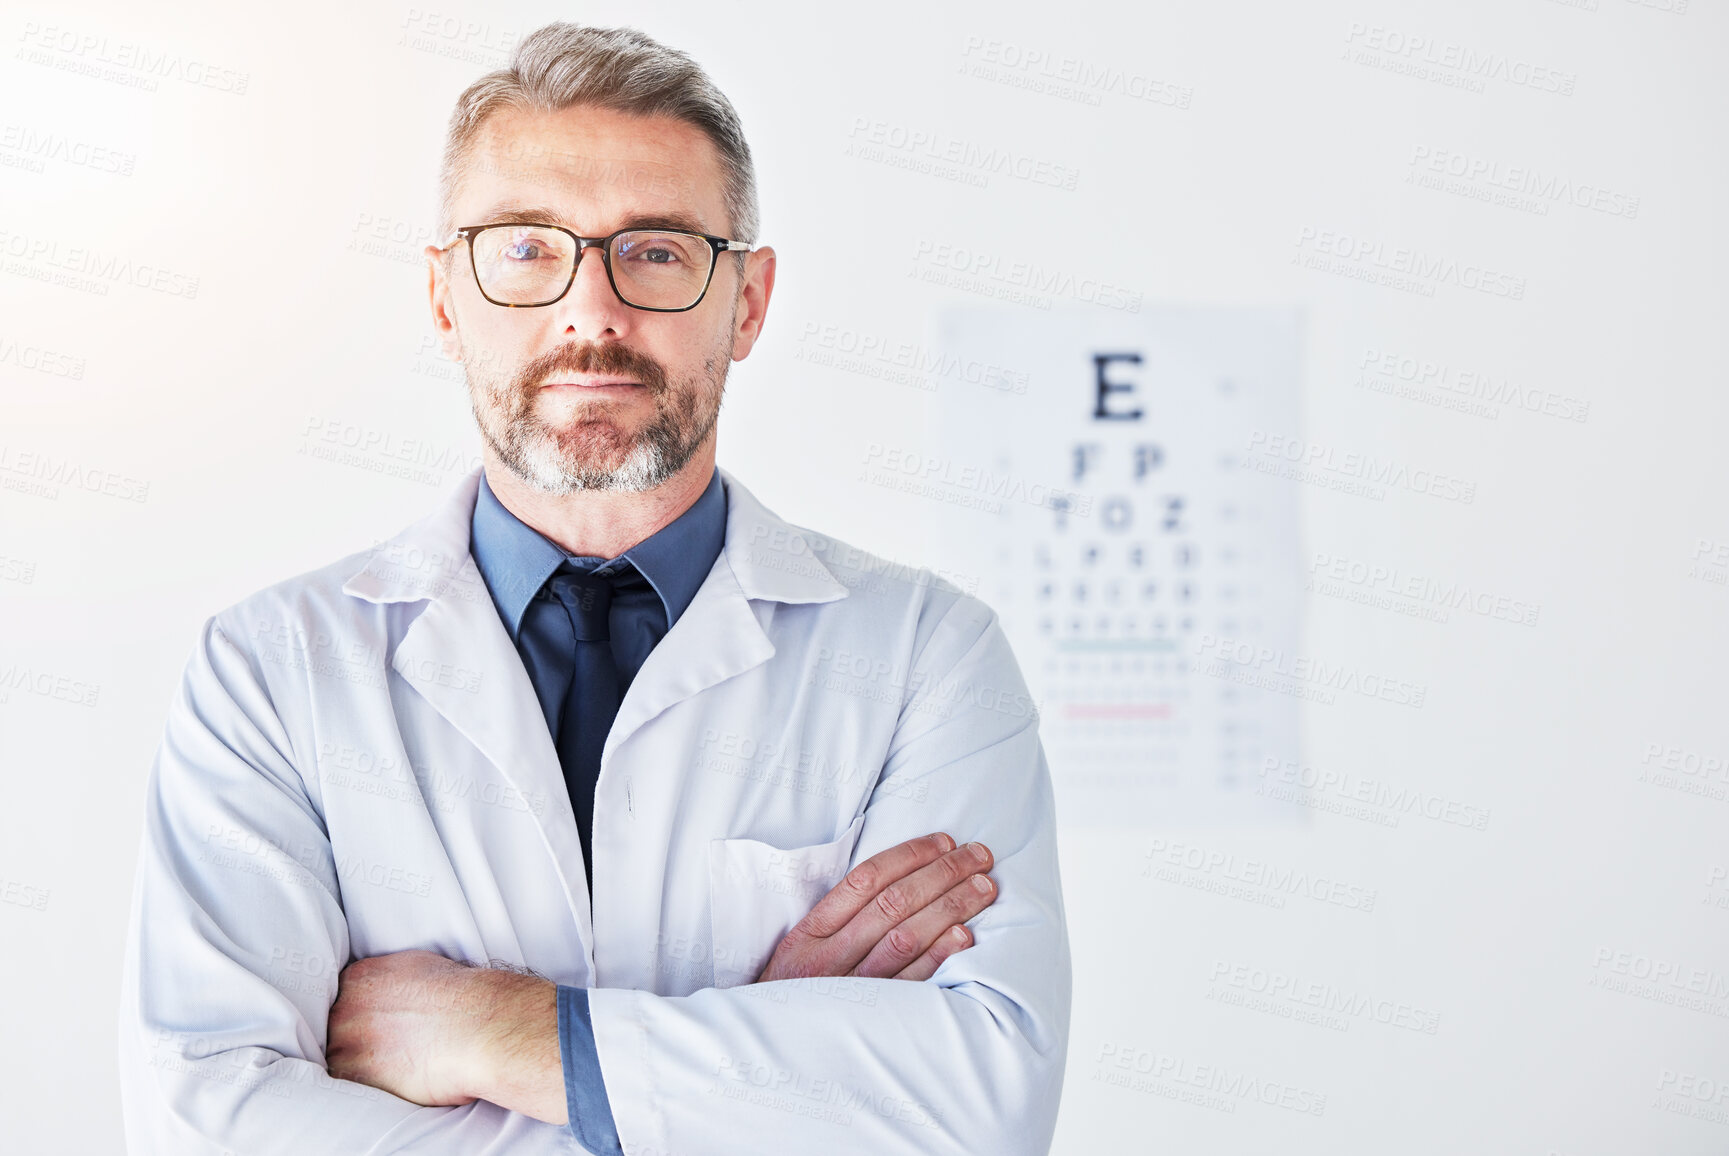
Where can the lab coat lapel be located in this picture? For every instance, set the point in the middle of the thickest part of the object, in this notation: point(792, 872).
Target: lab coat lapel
point(459, 658)
point(720, 634)
point(715, 638)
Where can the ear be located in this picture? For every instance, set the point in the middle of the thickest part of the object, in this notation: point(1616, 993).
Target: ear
point(751, 309)
point(438, 288)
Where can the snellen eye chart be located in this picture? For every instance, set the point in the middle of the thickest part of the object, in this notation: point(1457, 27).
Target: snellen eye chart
point(1099, 486)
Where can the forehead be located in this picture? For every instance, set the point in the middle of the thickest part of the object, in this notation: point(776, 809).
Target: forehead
point(592, 169)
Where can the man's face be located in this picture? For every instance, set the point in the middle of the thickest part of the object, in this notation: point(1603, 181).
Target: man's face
point(590, 393)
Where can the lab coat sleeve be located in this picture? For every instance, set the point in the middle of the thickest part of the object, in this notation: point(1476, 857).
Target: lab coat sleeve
point(969, 1061)
point(237, 935)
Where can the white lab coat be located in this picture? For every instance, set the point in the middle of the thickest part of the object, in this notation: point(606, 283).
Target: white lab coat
point(355, 763)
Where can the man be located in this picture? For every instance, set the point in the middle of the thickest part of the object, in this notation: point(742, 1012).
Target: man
point(628, 801)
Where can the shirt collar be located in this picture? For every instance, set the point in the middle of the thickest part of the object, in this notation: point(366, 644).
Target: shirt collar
point(516, 560)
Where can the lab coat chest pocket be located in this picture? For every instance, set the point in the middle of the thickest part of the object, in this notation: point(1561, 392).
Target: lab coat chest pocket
point(758, 891)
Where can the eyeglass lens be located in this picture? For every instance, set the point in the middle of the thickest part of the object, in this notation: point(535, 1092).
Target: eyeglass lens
point(531, 264)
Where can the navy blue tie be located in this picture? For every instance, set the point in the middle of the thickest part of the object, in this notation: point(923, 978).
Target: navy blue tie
point(592, 695)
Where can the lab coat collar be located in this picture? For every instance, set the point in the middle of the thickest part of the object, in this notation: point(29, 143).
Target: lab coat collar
point(771, 559)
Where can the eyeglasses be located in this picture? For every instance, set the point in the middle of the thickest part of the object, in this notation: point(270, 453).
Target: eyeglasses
point(523, 266)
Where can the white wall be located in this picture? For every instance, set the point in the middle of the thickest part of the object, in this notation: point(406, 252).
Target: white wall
point(1266, 129)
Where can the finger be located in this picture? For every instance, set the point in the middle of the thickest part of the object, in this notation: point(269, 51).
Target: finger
point(957, 938)
point(866, 881)
point(899, 902)
point(903, 944)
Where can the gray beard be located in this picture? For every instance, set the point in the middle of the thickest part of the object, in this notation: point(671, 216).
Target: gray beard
point(562, 462)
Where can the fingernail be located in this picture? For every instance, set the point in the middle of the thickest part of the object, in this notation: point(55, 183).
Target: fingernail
point(981, 884)
point(958, 934)
point(978, 850)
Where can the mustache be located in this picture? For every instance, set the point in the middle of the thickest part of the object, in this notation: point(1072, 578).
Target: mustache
point(610, 358)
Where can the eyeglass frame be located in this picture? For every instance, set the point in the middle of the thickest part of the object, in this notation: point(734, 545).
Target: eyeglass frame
point(718, 246)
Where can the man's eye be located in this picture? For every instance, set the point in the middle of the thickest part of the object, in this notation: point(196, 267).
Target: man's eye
point(522, 251)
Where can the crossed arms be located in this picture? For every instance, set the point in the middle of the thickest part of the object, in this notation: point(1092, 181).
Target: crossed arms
point(219, 1051)
point(437, 1032)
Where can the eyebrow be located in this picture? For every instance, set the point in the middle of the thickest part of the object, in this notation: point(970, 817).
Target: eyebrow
point(516, 213)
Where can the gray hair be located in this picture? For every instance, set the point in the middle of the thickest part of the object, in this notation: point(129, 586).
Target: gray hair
point(619, 69)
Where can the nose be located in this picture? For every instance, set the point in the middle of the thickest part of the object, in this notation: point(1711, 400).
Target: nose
point(590, 308)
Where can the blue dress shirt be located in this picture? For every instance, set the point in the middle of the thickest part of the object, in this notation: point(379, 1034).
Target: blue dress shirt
point(516, 560)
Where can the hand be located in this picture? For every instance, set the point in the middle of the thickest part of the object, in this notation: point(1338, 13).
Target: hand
point(437, 1032)
point(395, 1026)
point(897, 915)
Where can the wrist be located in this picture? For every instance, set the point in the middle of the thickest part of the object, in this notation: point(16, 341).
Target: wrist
point(512, 1056)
